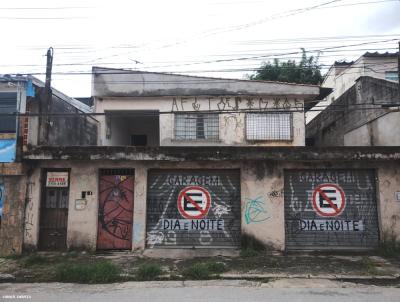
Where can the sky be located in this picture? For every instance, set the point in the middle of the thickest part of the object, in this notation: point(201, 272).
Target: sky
point(217, 38)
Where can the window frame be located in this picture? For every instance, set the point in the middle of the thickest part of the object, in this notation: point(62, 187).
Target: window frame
point(215, 138)
point(291, 135)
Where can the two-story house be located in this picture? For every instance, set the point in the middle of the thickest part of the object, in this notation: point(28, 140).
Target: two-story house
point(24, 122)
point(193, 165)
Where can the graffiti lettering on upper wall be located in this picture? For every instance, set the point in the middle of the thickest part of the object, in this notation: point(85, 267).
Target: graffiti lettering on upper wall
point(193, 208)
point(255, 211)
point(234, 104)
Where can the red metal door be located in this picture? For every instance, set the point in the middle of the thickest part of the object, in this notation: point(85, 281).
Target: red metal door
point(115, 210)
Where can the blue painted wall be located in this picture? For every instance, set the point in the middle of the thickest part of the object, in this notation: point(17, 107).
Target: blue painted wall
point(7, 150)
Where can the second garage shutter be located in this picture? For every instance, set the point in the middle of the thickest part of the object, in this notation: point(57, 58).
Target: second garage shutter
point(330, 209)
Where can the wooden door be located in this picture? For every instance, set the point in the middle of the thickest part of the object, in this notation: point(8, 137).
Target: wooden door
point(115, 216)
point(54, 211)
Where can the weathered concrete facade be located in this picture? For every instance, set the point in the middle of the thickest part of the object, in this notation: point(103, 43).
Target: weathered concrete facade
point(129, 102)
point(23, 95)
point(341, 76)
point(13, 191)
point(262, 177)
point(365, 115)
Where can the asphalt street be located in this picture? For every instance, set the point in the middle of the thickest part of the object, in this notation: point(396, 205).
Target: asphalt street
point(288, 290)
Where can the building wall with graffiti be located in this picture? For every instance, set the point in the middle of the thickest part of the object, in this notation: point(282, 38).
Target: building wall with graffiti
point(230, 126)
point(193, 208)
point(12, 191)
point(207, 204)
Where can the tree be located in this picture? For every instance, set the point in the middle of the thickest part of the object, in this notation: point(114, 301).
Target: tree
point(306, 72)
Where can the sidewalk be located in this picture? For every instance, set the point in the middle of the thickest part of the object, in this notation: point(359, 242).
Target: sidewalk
point(42, 267)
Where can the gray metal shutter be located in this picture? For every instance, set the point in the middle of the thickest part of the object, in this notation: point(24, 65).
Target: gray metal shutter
point(8, 104)
point(317, 218)
point(166, 225)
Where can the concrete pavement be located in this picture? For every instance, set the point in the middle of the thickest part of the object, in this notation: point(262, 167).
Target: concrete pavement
point(282, 290)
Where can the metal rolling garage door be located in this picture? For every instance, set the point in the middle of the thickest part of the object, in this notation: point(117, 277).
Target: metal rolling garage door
point(193, 208)
point(330, 209)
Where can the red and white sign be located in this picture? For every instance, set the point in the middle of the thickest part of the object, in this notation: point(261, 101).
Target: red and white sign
point(57, 179)
point(194, 202)
point(328, 200)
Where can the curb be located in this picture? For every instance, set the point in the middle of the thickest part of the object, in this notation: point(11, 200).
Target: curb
point(307, 276)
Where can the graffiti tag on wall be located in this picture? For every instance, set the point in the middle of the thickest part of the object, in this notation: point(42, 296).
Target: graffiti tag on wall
point(255, 210)
point(115, 211)
point(234, 104)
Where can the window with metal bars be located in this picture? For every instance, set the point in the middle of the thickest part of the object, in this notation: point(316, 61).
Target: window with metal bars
point(269, 126)
point(197, 126)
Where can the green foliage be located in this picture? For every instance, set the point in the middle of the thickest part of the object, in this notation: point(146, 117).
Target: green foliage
point(389, 246)
point(100, 272)
point(306, 72)
point(216, 267)
point(248, 253)
point(148, 272)
point(203, 271)
point(368, 266)
point(34, 259)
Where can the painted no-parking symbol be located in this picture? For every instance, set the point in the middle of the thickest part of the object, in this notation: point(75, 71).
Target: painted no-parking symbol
point(194, 202)
point(328, 200)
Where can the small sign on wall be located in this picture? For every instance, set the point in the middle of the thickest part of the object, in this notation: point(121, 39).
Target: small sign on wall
point(57, 179)
point(80, 204)
point(397, 196)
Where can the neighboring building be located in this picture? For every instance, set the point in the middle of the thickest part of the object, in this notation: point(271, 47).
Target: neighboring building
point(21, 95)
point(343, 75)
point(367, 114)
point(191, 165)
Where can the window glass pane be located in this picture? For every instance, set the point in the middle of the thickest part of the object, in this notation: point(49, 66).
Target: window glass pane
point(392, 76)
point(8, 104)
point(197, 126)
point(269, 126)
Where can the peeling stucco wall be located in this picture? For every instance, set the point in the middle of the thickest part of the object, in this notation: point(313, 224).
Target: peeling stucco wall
point(389, 200)
point(263, 204)
point(232, 123)
point(262, 187)
point(11, 229)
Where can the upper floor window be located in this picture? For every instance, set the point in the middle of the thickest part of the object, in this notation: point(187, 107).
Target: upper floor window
point(269, 126)
point(392, 76)
point(8, 104)
point(197, 126)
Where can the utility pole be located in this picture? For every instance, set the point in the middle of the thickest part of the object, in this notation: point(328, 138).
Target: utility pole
point(46, 102)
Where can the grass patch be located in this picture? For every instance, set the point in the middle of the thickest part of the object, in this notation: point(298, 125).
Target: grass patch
point(99, 272)
point(248, 253)
point(14, 256)
point(250, 246)
point(368, 266)
point(204, 271)
point(34, 259)
point(148, 272)
point(389, 248)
